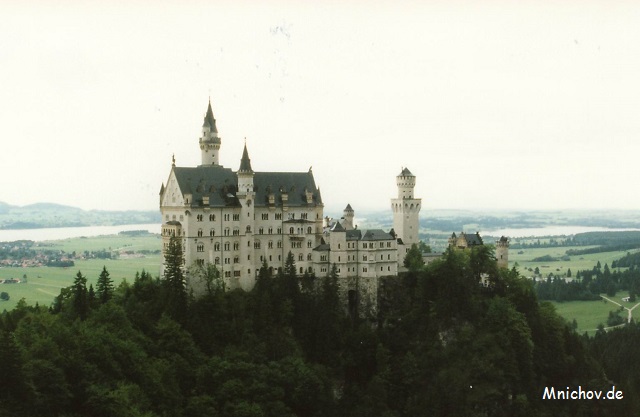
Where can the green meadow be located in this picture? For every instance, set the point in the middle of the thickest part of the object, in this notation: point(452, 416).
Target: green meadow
point(590, 314)
point(44, 283)
point(524, 258)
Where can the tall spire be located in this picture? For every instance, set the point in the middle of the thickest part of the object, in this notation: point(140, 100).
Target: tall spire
point(209, 120)
point(245, 162)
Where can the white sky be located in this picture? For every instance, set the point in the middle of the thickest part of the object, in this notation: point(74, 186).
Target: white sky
point(494, 104)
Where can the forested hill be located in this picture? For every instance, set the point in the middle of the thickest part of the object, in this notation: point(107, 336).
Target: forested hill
point(44, 215)
point(441, 344)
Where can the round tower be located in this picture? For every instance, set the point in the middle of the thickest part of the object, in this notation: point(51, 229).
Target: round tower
point(502, 252)
point(406, 211)
point(348, 215)
point(210, 141)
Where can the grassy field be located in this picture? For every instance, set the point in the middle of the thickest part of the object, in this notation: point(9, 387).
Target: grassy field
point(589, 314)
point(44, 283)
point(576, 263)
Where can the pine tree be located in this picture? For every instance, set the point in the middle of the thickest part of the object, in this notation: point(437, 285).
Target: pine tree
point(104, 289)
point(80, 296)
point(174, 281)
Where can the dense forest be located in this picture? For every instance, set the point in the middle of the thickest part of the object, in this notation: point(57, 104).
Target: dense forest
point(590, 283)
point(457, 337)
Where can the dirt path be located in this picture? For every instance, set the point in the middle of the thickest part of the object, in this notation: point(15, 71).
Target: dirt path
point(628, 309)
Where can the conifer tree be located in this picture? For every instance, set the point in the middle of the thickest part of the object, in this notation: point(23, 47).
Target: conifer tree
point(80, 296)
point(104, 289)
point(174, 281)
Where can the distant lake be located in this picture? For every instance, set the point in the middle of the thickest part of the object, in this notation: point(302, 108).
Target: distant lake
point(551, 231)
point(58, 233)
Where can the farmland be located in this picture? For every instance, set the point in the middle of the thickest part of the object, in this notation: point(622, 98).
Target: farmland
point(134, 253)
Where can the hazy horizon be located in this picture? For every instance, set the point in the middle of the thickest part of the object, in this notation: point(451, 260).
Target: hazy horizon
point(493, 106)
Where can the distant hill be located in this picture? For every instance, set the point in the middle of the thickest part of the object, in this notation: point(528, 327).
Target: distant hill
point(44, 215)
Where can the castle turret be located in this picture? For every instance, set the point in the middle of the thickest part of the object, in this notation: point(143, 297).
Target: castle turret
point(406, 210)
point(502, 252)
point(246, 197)
point(210, 141)
point(348, 215)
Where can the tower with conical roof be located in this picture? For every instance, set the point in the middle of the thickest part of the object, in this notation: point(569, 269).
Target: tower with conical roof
point(246, 197)
point(210, 141)
point(406, 211)
point(348, 215)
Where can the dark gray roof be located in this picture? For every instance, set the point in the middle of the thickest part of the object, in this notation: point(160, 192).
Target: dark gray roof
point(406, 173)
point(348, 208)
point(323, 247)
point(472, 240)
point(209, 120)
point(245, 162)
point(371, 234)
point(213, 181)
point(220, 185)
point(337, 227)
point(292, 183)
point(376, 234)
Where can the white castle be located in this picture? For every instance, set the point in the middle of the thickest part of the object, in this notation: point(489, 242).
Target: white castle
point(238, 219)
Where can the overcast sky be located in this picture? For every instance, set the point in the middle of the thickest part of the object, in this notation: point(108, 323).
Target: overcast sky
point(495, 104)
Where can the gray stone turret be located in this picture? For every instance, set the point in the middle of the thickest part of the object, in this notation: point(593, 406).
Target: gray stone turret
point(210, 141)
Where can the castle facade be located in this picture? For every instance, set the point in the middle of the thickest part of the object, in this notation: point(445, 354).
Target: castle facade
point(235, 220)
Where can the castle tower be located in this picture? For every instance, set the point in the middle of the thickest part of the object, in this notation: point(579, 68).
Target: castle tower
point(348, 215)
point(502, 252)
point(246, 197)
point(406, 210)
point(210, 141)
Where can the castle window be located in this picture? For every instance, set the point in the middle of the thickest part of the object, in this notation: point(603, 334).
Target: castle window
point(388, 268)
point(364, 269)
point(278, 216)
point(308, 229)
point(199, 232)
point(217, 261)
point(226, 245)
point(200, 262)
point(236, 245)
point(216, 246)
point(261, 230)
point(256, 244)
point(338, 246)
point(300, 257)
point(301, 270)
point(389, 257)
point(236, 273)
point(236, 217)
point(303, 216)
point(279, 231)
point(226, 217)
point(249, 271)
point(200, 247)
point(271, 230)
point(279, 244)
point(236, 259)
point(212, 217)
point(308, 256)
point(265, 216)
point(291, 216)
point(309, 244)
point(270, 244)
point(226, 231)
point(364, 257)
point(338, 259)
point(388, 244)
point(291, 230)
point(199, 217)
point(212, 232)
point(227, 274)
point(227, 261)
